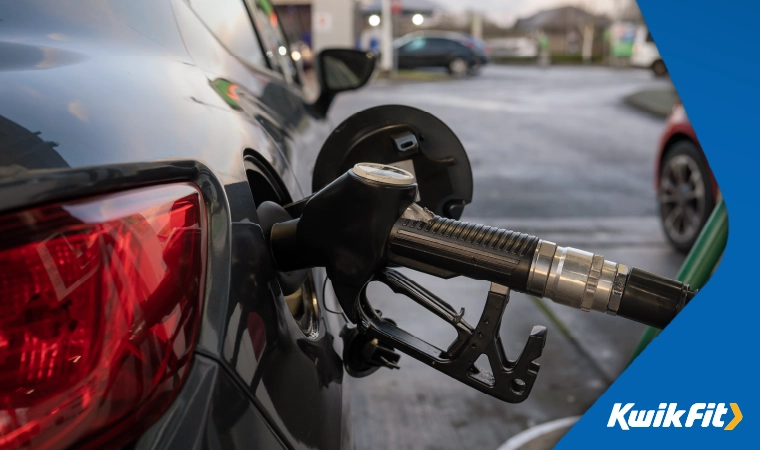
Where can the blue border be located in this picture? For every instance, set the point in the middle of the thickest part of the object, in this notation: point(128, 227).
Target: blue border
point(708, 352)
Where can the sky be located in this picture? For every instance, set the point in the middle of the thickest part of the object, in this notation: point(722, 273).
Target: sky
point(505, 12)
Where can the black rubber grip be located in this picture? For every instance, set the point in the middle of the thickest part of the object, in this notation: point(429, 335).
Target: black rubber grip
point(651, 299)
point(447, 247)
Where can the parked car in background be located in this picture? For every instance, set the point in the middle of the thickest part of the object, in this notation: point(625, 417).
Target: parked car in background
point(686, 188)
point(460, 54)
point(645, 53)
point(481, 45)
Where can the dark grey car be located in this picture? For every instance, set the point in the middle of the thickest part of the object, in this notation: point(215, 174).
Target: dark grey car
point(138, 302)
point(457, 53)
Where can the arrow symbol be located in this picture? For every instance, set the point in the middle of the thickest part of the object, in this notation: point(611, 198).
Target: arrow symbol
point(737, 417)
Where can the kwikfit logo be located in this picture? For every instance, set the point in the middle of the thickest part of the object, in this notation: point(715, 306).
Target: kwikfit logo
point(668, 415)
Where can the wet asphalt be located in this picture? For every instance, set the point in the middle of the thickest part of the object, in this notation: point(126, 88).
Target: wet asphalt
point(555, 152)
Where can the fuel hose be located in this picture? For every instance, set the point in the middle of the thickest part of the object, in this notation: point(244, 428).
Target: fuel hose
point(568, 276)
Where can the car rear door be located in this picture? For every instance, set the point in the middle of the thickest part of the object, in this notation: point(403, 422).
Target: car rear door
point(438, 52)
point(288, 365)
point(413, 54)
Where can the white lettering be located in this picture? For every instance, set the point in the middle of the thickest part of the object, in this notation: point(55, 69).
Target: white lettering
point(719, 411)
point(660, 413)
point(668, 415)
point(641, 420)
point(708, 415)
point(673, 416)
point(618, 415)
point(694, 413)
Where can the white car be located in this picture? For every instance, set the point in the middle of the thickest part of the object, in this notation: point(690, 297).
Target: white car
point(645, 53)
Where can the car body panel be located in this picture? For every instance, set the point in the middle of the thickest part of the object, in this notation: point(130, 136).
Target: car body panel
point(677, 127)
point(211, 412)
point(104, 96)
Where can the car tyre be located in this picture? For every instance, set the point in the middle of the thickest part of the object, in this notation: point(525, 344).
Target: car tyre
point(458, 68)
point(659, 68)
point(475, 69)
point(685, 194)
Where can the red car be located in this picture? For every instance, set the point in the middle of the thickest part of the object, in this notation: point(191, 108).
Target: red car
point(686, 188)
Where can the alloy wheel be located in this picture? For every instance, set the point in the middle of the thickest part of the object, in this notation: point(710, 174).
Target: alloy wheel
point(682, 198)
point(458, 67)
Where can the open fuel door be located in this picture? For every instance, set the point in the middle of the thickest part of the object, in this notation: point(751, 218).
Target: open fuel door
point(407, 138)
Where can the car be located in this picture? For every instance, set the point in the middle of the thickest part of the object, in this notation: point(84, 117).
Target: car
point(686, 188)
point(482, 46)
point(458, 53)
point(140, 306)
point(645, 53)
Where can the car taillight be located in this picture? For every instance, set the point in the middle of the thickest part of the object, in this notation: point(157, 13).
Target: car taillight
point(99, 311)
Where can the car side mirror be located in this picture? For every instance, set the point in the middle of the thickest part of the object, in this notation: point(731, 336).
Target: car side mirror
point(341, 70)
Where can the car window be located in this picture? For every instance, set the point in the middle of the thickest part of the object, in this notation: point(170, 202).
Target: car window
point(272, 37)
point(416, 45)
point(465, 46)
point(228, 20)
point(441, 45)
point(458, 45)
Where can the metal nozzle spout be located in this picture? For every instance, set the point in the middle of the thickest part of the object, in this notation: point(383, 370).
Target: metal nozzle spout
point(576, 278)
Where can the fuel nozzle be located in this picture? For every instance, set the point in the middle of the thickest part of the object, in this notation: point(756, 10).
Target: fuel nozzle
point(525, 263)
point(344, 228)
point(366, 220)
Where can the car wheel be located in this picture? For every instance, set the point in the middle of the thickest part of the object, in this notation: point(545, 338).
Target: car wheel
point(458, 67)
point(659, 68)
point(475, 69)
point(686, 195)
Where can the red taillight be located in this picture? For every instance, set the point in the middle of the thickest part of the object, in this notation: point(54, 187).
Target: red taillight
point(99, 311)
